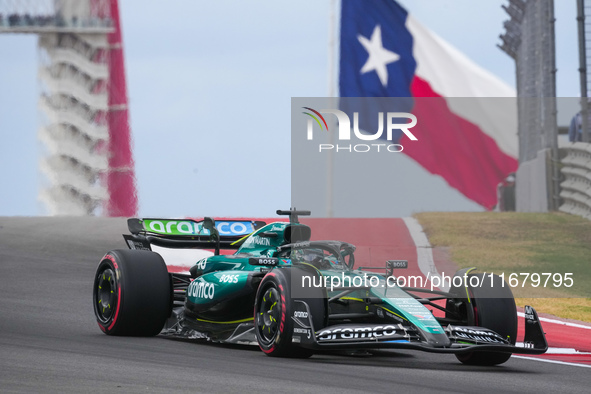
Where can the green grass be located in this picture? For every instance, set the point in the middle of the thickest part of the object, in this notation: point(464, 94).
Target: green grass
point(512, 242)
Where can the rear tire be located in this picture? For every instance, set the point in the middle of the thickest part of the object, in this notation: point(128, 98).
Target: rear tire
point(494, 308)
point(273, 311)
point(132, 293)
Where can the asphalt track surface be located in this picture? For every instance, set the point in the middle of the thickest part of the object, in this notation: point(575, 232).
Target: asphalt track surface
point(50, 342)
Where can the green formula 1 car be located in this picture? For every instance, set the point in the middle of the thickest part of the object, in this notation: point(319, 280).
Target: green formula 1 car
point(277, 290)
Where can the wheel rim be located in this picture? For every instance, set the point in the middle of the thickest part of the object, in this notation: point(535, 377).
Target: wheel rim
point(105, 297)
point(269, 315)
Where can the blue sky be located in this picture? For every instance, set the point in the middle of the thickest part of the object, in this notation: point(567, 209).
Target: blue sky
point(210, 85)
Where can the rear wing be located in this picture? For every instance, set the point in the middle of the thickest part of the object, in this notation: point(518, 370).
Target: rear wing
point(188, 233)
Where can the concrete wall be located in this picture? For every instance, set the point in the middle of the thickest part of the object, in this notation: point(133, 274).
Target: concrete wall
point(531, 184)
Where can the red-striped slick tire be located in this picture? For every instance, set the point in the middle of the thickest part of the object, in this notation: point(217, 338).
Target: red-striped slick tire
point(132, 293)
point(273, 311)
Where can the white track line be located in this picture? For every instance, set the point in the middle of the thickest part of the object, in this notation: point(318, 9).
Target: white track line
point(552, 361)
point(566, 351)
point(554, 321)
point(424, 250)
point(560, 350)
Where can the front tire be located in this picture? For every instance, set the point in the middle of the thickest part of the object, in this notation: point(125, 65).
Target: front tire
point(273, 311)
point(494, 308)
point(132, 293)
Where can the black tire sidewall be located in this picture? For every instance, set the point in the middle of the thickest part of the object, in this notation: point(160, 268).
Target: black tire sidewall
point(280, 345)
point(144, 293)
point(107, 326)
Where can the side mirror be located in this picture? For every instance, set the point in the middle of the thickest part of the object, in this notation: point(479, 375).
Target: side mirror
point(391, 265)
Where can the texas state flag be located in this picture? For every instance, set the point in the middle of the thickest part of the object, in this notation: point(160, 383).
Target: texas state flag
point(466, 129)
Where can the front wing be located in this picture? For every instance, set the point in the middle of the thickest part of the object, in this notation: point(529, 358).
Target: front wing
point(397, 336)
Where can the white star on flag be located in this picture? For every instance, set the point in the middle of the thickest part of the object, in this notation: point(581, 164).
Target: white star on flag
point(379, 57)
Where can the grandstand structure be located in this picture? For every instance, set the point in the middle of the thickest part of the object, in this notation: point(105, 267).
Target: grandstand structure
point(83, 96)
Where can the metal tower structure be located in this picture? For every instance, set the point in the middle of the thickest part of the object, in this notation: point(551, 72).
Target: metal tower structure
point(584, 29)
point(84, 97)
point(530, 40)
